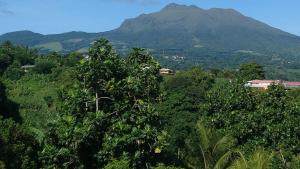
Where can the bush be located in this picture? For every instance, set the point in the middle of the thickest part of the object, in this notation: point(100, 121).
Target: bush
point(14, 72)
point(18, 149)
point(44, 66)
point(162, 166)
point(118, 164)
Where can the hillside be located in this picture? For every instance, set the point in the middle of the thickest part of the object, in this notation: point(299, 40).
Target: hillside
point(181, 35)
point(180, 26)
point(65, 42)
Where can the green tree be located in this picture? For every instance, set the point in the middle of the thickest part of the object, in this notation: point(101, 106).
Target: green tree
point(295, 163)
point(118, 164)
point(102, 69)
point(265, 119)
point(6, 56)
point(134, 129)
point(18, 148)
point(14, 72)
point(260, 159)
point(180, 108)
point(17, 55)
point(8, 108)
point(162, 166)
point(211, 151)
point(72, 59)
point(108, 114)
point(251, 71)
point(44, 66)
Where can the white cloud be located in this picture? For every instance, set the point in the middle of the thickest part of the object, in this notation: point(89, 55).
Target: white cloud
point(4, 10)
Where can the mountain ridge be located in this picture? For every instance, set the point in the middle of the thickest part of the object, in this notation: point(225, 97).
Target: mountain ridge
point(206, 24)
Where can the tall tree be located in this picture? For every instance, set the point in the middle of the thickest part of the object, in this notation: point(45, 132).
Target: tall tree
point(6, 56)
point(180, 108)
point(8, 108)
point(251, 71)
point(134, 128)
point(108, 115)
point(96, 72)
point(18, 148)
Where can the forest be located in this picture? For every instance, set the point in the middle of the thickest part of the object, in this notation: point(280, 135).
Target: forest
point(117, 112)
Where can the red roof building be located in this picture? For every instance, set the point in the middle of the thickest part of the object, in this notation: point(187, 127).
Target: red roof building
point(266, 83)
point(290, 85)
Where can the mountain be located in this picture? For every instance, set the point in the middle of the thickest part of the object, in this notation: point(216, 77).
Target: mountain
point(65, 42)
point(176, 26)
point(181, 34)
point(181, 26)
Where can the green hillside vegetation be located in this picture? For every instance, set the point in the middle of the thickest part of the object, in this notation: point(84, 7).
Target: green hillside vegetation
point(83, 50)
point(51, 46)
point(117, 112)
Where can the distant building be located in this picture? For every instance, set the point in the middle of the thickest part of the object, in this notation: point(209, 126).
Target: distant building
point(85, 55)
point(291, 85)
point(27, 67)
point(165, 71)
point(264, 84)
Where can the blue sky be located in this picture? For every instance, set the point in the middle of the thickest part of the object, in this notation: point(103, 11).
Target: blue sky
point(57, 16)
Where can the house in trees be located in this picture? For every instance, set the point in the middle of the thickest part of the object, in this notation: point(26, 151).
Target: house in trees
point(291, 85)
point(26, 68)
point(165, 71)
point(264, 84)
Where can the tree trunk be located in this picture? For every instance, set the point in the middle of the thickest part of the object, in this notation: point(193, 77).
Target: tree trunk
point(97, 102)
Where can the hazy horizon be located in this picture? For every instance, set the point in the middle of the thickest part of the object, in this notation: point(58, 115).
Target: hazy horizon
point(54, 17)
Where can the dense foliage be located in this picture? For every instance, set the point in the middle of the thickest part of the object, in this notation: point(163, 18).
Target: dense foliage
point(113, 112)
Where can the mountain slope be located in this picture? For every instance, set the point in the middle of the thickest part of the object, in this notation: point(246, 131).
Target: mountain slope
point(65, 42)
point(180, 26)
point(22, 37)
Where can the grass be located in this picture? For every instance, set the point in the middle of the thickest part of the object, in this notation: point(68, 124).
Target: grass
point(74, 40)
point(53, 46)
point(83, 50)
point(32, 92)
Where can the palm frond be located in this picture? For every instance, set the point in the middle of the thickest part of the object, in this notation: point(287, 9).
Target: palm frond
point(223, 144)
point(261, 159)
point(240, 163)
point(204, 135)
point(223, 161)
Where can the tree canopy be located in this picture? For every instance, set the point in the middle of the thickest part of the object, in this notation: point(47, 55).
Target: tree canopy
point(105, 110)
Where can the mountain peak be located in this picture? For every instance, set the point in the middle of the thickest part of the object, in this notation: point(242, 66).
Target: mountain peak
point(172, 6)
point(22, 33)
point(222, 10)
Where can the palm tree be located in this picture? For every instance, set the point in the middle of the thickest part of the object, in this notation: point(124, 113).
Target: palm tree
point(211, 151)
point(259, 160)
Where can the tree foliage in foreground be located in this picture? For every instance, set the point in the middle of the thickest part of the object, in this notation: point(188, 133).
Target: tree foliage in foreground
point(210, 150)
point(256, 118)
point(108, 115)
point(107, 111)
point(18, 148)
point(180, 107)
